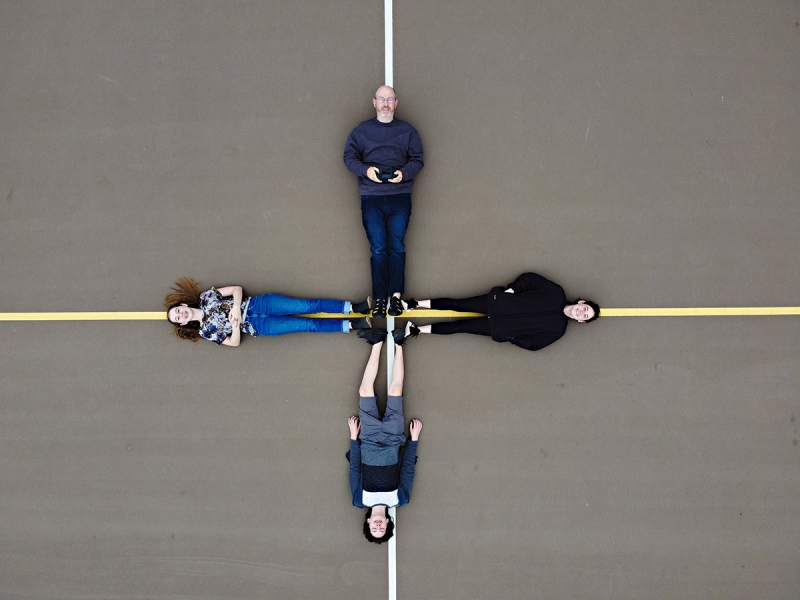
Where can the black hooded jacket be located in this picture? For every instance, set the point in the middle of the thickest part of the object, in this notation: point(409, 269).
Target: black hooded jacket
point(532, 317)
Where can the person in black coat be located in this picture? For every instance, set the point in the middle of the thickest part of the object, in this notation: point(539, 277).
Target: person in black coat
point(531, 312)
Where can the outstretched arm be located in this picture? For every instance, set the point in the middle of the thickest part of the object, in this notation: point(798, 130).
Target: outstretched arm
point(367, 387)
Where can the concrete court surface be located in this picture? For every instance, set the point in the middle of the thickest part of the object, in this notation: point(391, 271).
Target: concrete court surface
point(639, 153)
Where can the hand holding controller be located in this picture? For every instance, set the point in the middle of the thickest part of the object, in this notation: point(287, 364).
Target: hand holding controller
point(386, 173)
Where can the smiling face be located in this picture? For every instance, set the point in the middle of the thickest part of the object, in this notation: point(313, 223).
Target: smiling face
point(385, 103)
point(580, 312)
point(180, 315)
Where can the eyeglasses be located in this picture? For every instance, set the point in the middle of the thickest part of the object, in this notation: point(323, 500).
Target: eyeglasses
point(387, 100)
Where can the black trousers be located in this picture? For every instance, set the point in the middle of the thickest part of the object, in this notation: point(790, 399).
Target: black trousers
point(476, 326)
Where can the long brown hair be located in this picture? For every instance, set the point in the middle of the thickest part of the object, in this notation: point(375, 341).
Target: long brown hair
point(185, 291)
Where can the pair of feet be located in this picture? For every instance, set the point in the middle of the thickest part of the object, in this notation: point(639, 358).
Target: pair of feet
point(361, 308)
point(396, 307)
point(400, 335)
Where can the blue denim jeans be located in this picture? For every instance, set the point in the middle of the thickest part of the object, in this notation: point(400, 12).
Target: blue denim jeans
point(269, 315)
point(385, 220)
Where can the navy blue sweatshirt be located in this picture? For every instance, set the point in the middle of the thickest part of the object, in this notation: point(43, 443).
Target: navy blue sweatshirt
point(405, 472)
point(374, 144)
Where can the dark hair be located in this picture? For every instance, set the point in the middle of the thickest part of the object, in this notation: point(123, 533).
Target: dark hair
point(389, 528)
point(185, 291)
point(594, 306)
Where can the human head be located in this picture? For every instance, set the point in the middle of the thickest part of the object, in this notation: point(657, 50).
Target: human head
point(580, 309)
point(184, 293)
point(374, 526)
point(385, 109)
point(180, 314)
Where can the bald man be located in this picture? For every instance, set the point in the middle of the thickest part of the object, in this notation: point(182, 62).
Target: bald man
point(386, 155)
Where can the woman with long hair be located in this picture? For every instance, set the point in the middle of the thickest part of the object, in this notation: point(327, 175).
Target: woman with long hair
point(222, 314)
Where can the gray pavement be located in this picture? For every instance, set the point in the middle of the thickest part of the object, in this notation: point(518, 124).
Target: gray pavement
point(641, 154)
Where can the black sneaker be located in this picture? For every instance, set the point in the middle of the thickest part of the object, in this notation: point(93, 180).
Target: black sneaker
point(379, 310)
point(411, 303)
point(401, 334)
point(396, 306)
point(363, 323)
point(362, 308)
point(372, 336)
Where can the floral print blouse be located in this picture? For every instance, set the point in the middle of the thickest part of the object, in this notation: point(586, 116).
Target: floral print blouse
point(216, 324)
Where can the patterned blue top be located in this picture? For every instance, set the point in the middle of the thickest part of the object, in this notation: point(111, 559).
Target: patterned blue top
point(216, 323)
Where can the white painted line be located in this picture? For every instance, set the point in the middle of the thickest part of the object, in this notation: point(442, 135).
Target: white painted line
point(392, 512)
point(389, 44)
point(393, 557)
point(389, 80)
point(389, 350)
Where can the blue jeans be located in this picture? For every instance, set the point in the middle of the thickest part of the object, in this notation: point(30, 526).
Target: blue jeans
point(386, 431)
point(385, 220)
point(267, 314)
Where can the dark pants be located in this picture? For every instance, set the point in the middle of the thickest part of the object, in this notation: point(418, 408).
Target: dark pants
point(385, 220)
point(476, 326)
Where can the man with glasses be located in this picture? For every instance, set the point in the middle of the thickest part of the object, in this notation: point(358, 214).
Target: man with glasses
point(386, 154)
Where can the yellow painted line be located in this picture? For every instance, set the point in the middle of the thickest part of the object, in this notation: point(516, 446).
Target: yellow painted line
point(736, 311)
point(424, 313)
point(85, 316)
point(162, 315)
